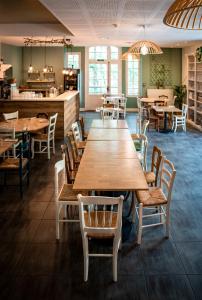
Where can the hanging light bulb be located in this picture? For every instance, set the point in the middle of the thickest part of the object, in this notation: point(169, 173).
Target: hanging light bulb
point(71, 73)
point(45, 69)
point(30, 69)
point(144, 50)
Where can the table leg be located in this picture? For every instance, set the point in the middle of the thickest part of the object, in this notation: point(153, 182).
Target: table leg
point(165, 128)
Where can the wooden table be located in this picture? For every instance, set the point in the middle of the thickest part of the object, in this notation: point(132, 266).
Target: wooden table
point(110, 163)
point(25, 124)
point(98, 134)
point(5, 145)
point(151, 100)
point(108, 150)
point(166, 110)
point(110, 175)
point(109, 124)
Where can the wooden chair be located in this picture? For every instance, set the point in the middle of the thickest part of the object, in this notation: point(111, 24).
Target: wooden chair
point(72, 151)
point(46, 139)
point(80, 144)
point(65, 198)
point(108, 111)
point(152, 175)
point(9, 134)
point(135, 136)
point(142, 154)
point(82, 126)
point(70, 173)
point(156, 197)
point(122, 107)
point(98, 219)
point(180, 120)
point(17, 165)
point(11, 116)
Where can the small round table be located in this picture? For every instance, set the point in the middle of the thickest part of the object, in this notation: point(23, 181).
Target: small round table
point(25, 124)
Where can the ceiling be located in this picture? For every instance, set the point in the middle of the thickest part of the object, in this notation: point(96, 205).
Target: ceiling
point(109, 22)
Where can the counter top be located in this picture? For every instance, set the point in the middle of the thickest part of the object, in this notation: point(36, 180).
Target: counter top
point(68, 95)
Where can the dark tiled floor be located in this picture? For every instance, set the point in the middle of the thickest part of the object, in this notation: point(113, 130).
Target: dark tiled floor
point(34, 266)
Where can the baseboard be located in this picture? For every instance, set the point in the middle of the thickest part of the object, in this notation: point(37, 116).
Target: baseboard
point(92, 110)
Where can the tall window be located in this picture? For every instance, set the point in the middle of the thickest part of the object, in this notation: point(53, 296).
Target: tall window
point(132, 76)
point(73, 60)
point(103, 70)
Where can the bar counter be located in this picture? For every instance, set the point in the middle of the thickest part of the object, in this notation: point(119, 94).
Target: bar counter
point(66, 105)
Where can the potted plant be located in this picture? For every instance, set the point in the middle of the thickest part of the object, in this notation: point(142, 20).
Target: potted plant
point(180, 92)
point(199, 54)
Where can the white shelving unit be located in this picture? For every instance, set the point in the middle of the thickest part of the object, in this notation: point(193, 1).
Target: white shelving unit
point(194, 92)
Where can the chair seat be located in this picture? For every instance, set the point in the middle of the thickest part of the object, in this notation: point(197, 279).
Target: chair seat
point(12, 163)
point(150, 177)
point(98, 217)
point(41, 136)
point(81, 144)
point(68, 194)
point(153, 197)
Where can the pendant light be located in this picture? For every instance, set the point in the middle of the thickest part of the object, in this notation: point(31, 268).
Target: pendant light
point(45, 69)
point(30, 69)
point(185, 14)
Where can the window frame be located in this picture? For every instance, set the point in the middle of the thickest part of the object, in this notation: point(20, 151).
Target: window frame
point(73, 53)
point(126, 83)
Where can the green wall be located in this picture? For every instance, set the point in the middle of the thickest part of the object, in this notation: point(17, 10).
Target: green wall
point(171, 58)
point(13, 55)
point(54, 57)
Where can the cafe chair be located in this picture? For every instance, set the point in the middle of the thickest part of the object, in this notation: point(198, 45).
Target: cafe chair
point(80, 144)
point(156, 201)
point(65, 198)
point(122, 107)
point(152, 175)
point(11, 116)
point(72, 151)
point(45, 138)
point(180, 120)
point(17, 165)
point(109, 111)
point(70, 171)
point(82, 128)
point(9, 134)
point(142, 153)
point(100, 218)
point(135, 136)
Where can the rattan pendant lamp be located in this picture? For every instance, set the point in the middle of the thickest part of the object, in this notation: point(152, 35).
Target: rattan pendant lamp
point(185, 14)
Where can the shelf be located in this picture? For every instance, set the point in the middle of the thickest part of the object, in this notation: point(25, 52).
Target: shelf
point(192, 107)
point(40, 81)
point(191, 99)
point(199, 112)
point(191, 89)
point(198, 91)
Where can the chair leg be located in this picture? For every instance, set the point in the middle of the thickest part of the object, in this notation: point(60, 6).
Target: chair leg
point(115, 256)
point(48, 146)
point(86, 258)
point(139, 238)
point(167, 222)
point(57, 223)
point(134, 207)
point(32, 148)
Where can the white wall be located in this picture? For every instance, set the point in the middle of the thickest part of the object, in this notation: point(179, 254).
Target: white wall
point(186, 51)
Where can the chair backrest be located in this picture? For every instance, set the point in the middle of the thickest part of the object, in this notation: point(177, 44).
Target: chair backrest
point(65, 155)
point(76, 132)
point(156, 162)
point(167, 176)
point(70, 149)
point(60, 178)
point(143, 149)
point(82, 126)
point(144, 126)
point(11, 116)
point(51, 127)
point(7, 133)
point(184, 110)
point(100, 215)
point(73, 143)
point(139, 103)
point(122, 101)
point(159, 103)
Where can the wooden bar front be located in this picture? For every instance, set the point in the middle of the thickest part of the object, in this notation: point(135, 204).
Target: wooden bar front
point(66, 105)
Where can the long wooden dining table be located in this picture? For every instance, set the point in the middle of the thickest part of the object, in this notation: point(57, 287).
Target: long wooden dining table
point(110, 162)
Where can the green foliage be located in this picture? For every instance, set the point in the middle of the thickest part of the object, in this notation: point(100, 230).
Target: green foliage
point(180, 91)
point(199, 54)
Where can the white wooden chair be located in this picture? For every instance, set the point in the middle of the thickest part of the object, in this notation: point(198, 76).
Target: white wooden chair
point(9, 134)
point(122, 106)
point(99, 219)
point(109, 111)
point(157, 199)
point(11, 116)
point(141, 142)
point(80, 144)
point(152, 175)
point(65, 197)
point(45, 138)
point(180, 120)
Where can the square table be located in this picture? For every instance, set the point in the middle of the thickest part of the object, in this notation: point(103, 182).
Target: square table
point(110, 175)
point(107, 150)
point(122, 124)
point(166, 110)
point(98, 134)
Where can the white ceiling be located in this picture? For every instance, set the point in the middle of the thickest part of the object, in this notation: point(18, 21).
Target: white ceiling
point(114, 22)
